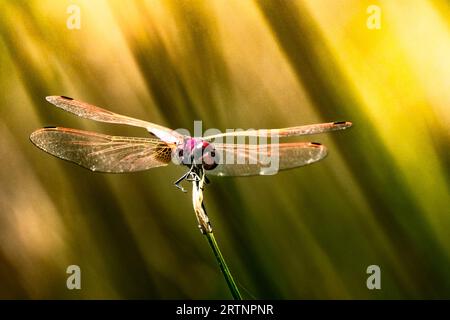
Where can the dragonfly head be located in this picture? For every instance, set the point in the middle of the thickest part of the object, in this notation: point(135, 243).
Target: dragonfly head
point(197, 151)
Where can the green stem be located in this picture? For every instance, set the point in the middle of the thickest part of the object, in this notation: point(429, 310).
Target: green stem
point(205, 227)
point(223, 266)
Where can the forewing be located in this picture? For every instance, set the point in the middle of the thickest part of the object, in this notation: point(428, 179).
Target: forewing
point(248, 160)
point(286, 132)
point(89, 111)
point(103, 153)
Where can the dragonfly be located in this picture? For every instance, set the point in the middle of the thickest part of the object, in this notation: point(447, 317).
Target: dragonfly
point(117, 154)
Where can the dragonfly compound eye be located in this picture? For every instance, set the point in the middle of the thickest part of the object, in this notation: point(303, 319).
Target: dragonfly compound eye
point(178, 155)
point(210, 158)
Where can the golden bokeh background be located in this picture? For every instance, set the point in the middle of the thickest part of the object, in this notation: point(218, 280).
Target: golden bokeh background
point(380, 197)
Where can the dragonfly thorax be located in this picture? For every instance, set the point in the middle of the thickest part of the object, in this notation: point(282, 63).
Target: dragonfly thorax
point(198, 152)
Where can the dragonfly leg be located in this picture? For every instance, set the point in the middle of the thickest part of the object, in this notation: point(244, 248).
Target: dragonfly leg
point(180, 187)
point(194, 175)
point(177, 183)
point(183, 177)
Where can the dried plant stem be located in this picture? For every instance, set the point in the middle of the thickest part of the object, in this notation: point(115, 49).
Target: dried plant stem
point(205, 227)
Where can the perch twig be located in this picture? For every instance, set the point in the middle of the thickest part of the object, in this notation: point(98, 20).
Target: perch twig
point(205, 227)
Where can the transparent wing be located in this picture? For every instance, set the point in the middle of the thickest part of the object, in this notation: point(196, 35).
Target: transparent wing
point(89, 111)
point(103, 153)
point(248, 160)
point(286, 132)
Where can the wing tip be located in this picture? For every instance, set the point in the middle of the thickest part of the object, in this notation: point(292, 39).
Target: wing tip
point(342, 124)
point(323, 151)
point(50, 98)
point(53, 99)
point(320, 151)
point(34, 135)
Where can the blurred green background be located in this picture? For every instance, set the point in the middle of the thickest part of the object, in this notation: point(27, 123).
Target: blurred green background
point(380, 197)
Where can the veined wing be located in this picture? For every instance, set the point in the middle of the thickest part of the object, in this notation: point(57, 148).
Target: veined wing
point(89, 111)
point(101, 152)
point(286, 132)
point(248, 160)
